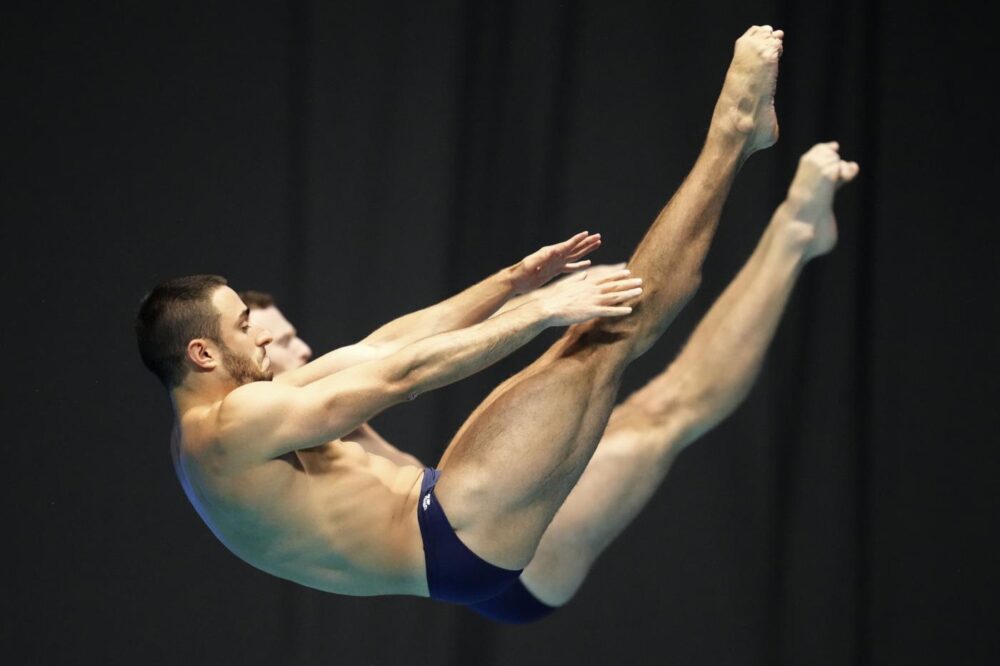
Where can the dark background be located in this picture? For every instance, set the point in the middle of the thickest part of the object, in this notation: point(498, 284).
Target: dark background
point(363, 160)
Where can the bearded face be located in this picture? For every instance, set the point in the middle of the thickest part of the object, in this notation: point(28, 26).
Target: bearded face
point(244, 368)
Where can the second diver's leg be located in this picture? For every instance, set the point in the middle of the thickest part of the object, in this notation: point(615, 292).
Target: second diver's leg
point(707, 381)
point(520, 453)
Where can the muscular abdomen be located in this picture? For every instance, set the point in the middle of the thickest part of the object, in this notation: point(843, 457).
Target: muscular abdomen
point(333, 517)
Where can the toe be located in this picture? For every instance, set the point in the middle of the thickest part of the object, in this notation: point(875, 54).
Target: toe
point(848, 170)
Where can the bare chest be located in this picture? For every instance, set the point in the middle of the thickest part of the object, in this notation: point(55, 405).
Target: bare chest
point(332, 516)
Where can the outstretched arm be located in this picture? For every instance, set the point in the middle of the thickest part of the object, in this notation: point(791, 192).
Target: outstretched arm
point(478, 302)
point(467, 308)
point(374, 443)
point(595, 272)
point(262, 420)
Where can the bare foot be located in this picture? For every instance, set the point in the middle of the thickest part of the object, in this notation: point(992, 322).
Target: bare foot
point(746, 106)
point(808, 209)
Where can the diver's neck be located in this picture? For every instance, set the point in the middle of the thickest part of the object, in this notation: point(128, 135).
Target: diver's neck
point(201, 392)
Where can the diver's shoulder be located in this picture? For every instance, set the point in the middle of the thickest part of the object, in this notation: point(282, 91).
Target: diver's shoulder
point(254, 395)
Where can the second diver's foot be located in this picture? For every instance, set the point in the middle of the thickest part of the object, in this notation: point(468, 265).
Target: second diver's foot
point(745, 110)
point(807, 212)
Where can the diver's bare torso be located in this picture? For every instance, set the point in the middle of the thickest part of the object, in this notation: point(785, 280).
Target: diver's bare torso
point(333, 517)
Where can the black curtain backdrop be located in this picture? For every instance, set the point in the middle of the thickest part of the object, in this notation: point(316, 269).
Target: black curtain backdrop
point(361, 160)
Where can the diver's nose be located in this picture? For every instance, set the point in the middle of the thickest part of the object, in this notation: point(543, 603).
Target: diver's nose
point(307, 352)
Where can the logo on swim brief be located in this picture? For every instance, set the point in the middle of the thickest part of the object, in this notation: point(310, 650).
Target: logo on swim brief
point(427, 501)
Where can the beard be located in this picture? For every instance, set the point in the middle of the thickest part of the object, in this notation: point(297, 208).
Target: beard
point(242, 369)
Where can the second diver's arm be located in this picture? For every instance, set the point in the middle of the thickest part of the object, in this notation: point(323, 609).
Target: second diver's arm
point(467, 308)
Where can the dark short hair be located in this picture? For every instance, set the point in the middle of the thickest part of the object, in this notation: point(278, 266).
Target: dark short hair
point(257, 300)
point(171, 315)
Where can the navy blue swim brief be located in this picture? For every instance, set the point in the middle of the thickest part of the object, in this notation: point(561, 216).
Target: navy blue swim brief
point(454, 573)
point(515, 605)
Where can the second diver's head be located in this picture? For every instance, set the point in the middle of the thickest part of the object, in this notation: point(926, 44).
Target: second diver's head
point(287, 350)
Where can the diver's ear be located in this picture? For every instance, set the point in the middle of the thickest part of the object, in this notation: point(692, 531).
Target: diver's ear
point(204, 354)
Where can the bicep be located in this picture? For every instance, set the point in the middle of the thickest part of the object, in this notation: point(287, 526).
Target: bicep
point(272, 420)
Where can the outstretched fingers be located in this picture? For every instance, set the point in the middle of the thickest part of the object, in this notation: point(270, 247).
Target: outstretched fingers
point(579, 246)
point(620, 287)
point(571, 251)
point(544, 264)
point(623, 295)
point(615, 311)
point(613, 303)
point(614, 276)
point(579, 298)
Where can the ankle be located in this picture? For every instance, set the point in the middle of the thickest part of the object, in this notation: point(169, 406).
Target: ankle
point(730, 126)
point(724, 145)
point(791, 237)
